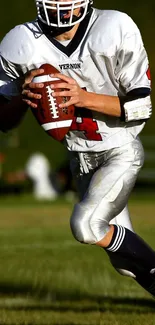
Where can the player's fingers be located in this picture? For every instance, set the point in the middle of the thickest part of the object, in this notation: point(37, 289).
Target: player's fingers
point(63, 93)
point(33, 73)
point(34, 85)
point(63, 77)
point(67, 103)
point(61, 85)
point(28, 94)
point(30, 75)
point(29, 103)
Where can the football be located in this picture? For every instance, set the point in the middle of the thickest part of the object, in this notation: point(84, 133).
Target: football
point(55, 121)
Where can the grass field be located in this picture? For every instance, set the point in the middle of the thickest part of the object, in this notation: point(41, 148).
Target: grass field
point(46, 277)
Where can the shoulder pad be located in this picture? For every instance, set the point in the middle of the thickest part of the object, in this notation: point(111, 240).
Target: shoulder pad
point(109, 29)
point(18, 44)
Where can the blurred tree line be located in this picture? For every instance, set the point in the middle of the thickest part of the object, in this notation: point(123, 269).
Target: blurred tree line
point(29, 137)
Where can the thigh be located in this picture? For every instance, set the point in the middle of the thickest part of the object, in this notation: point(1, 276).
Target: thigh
point(123, 219)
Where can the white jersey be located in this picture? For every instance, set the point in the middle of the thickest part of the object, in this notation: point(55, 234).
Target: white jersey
point(106, 56)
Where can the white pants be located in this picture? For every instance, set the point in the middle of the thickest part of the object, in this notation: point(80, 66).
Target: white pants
point(104, 181)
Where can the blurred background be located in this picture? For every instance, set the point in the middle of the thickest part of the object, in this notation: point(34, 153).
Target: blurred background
point(19, 145)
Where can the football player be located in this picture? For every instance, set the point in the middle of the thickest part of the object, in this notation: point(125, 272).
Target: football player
point(101, 56)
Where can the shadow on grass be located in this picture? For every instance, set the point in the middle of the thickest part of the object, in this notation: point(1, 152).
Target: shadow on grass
point(70, 300)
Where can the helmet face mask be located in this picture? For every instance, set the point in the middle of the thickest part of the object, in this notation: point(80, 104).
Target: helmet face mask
point(57, 13)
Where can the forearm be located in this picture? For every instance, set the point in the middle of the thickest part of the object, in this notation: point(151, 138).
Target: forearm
point(11, 112)
point(136, 105)
point(109, 105)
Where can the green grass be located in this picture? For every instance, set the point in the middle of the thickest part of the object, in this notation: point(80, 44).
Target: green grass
point(46, 277)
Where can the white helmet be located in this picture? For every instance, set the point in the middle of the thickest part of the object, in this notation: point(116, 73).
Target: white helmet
point(62, 8)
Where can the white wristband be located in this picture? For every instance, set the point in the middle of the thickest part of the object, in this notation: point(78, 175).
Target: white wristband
point(138, 109)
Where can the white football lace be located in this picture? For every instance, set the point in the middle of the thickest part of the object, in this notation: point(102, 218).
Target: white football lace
point(52, 102)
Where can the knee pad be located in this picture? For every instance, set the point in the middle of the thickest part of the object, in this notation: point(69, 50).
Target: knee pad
point(88, 225)
point(80, 225)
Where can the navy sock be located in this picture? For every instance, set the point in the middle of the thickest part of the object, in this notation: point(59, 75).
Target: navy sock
point(137, 256)
point(128, 244)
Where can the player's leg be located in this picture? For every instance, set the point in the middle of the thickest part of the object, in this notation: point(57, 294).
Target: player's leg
point(129, 254)
point(136, 259)
point(105, 198)
point(119, 263)
point(122, 264)
point(108, 191)
point(123, 219)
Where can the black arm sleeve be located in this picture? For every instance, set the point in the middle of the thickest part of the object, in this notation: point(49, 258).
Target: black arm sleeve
point(11, 112)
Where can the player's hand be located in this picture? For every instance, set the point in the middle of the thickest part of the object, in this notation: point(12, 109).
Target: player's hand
point(69, 88)
point(29, 86)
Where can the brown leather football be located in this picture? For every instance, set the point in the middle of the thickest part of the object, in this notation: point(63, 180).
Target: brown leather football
point(55, 121)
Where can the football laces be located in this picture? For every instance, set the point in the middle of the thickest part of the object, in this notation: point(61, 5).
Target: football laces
point(52, 102)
